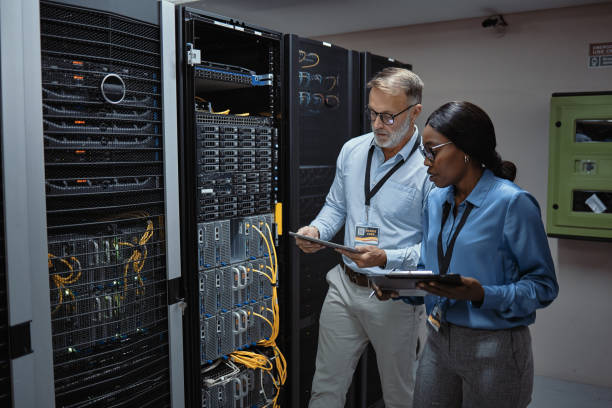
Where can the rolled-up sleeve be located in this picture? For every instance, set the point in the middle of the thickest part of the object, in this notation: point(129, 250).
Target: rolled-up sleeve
point(333, 214)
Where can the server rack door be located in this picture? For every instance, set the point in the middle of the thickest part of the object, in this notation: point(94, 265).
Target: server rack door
point(231, 131)
point(171, 174)
point(26, 290)
point(323, 112)
point(370, 65)
point(103, 100)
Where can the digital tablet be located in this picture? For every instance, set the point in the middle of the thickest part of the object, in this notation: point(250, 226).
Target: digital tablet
point(324, 243)
point(404, 282)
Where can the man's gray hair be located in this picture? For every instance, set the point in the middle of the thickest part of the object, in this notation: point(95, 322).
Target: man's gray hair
point(394, 80)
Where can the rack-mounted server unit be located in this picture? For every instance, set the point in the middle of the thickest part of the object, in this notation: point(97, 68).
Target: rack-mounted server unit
point(231, 125)
point(322, 84)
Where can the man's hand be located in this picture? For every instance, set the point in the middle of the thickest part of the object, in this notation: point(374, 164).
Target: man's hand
point(471, 289)
point(307, 246)
point(368, 256)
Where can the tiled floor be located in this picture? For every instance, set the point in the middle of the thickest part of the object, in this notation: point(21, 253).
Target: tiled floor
point(552, 393)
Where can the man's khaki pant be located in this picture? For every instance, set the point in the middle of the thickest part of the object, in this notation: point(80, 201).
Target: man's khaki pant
point(350, 318)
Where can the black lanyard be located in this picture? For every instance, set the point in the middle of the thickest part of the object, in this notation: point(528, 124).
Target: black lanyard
point(444, 259)
point(366, 185)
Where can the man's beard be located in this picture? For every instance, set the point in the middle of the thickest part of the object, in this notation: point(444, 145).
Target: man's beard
point(393, 138)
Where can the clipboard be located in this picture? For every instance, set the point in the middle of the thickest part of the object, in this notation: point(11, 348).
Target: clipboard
point(324, 243)
point(404, 282)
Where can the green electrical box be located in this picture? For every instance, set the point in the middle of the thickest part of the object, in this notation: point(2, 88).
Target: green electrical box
point(580, 166)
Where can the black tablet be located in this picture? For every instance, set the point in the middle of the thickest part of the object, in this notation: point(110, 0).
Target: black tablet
point(404, 282)
point(324, 243)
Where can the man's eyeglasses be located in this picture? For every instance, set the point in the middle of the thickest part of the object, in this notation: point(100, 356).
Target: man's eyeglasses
point(386, 118)
point(429, 152)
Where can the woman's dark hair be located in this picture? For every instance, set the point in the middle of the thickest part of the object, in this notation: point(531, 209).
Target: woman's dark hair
point(472, 131)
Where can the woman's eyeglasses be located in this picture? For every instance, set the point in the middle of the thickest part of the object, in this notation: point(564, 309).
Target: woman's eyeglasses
point(429, 152)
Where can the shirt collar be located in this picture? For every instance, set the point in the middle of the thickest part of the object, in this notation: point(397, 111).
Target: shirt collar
point(404, 153)
point(479, 193)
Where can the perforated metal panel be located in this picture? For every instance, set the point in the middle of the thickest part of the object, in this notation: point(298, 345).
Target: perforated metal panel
point(101, 80)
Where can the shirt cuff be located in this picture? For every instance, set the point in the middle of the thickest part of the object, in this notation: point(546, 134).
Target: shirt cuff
point(323, 234)
point(395, 258)
point(493, 298)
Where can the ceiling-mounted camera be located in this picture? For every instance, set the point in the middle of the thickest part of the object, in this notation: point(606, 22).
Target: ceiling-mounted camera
point(497, 22)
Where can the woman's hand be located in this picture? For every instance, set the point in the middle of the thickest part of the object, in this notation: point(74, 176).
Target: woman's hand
point(368, 256)
point(470, 289)
point(384, 294)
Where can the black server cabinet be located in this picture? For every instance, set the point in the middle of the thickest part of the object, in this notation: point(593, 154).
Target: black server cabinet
point(370, 64)
point(231, 124)
point(105, 200)
point(367, 375)
point(323, 113)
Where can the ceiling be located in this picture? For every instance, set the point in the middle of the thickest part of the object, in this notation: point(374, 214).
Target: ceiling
point(311, 18)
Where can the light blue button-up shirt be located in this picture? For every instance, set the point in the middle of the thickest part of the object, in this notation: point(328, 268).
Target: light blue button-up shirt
point(503, 245)
point(396, 209)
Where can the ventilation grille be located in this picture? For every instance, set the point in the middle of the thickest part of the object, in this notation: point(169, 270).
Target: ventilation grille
point(105, 208)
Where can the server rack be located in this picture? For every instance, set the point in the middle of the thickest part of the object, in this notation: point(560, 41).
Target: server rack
point(85, 154)
point(368, 377)
point(323, 113)
point(231, 127)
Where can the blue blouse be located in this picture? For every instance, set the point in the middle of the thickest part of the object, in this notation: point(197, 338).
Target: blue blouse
point(502, 244)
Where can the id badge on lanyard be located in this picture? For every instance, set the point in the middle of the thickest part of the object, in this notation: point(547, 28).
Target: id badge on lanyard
point(365, 232)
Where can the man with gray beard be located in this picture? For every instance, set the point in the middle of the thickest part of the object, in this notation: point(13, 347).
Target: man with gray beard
point(378, 195)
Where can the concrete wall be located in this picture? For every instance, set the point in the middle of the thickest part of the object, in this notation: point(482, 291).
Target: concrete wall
point(512, 77)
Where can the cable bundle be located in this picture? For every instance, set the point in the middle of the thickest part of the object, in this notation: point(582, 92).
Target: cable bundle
point(61, 282)
point(259, 361)
point(138, 258)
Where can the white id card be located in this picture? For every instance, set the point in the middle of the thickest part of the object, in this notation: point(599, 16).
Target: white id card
point(366, 235)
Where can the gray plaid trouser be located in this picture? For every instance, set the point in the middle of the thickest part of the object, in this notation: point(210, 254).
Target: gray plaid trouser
point(469, 368)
